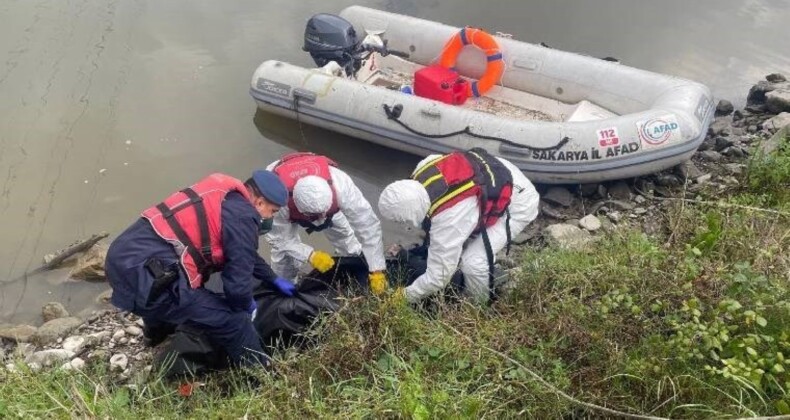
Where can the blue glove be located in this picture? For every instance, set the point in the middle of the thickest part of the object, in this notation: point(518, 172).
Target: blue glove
point(284, 286)
point(252, 309)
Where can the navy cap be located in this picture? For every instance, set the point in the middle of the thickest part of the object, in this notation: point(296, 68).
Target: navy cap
point(271, 187)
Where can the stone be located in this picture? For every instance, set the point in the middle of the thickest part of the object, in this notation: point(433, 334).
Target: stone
point(710, 156)
point(778, 122)
point(558, 196)
point(140, 323)
point(590, 223)
point(49, 357)
point(756, 109)
point(77, 364)
point(640, 211)
point(704, 179)
point(547, 210)
point(735, 152)
point(93, 340)
point(567, 237)
point(733, 168)
point(615, 216)
point(752, 129)
point(19, 333)
point(769, 145)
point(23, 350)
point(53, 310)
point(639, 199)
point(722, 143)
point(104, 297)
point(707, 144)
point(720, 125)
point(688, 170)
point(90, 265)
point(620, 191)
point(119, 334)
point(123, 340)
point(133, 330)
point(651, 226)
point(757, 93)
point(738, 132)
point(74, 343)
point(668, 180)
point(57, 328)
point(778, 100)
point(99, 355)
point(724, 107)
point(776, 78)
point(737, 115)
point(118, 362)
point(588, 190)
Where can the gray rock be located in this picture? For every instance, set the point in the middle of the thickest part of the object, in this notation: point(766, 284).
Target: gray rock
point(710, 156)
point(547, 210)
point(100, 355)
point(752, 129)
point(724, 107)
point(768, 146)
point(23, 350)
point(738, 115)
point(93, 340)
point(558, 196)
point(704, 179)
point(57, 328)
point(668, 180)
point(640, 210)
point(588, 190)
point(651, 226)
point(688, 170)
point(74, 343)
point(733, 168)
point(75, 364)
point(735, 152)
point(778, 122)
point(620, 191)
point(567, 236)
point(140, 323)
point(720, 125)
point(640, 199)
point(590, 223)
point(778, 100)
point(133, 330)
point(776, 78)
point(53, 310)
point(707, 144)
point(615, 216)
point(118, 362)
point(49, 357)
point(119, 334)
point(757, 93)
point(756, 109)
point(19, 333)
point(738, 132)
point(723, 143)
point(572, 222)
point(123, 340)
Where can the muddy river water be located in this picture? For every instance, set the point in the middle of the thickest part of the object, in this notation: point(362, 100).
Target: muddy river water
point(108, 106)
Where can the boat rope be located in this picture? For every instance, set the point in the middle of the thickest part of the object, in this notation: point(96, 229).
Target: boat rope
point(394, 114)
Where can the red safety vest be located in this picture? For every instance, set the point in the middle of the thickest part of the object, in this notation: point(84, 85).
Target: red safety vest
point(190, 220)
point(295, 166)
point(452, 178)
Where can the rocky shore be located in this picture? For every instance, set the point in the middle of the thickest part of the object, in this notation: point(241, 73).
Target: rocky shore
point(571, 216)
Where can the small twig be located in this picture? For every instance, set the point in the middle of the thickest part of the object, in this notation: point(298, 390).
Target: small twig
point(74, 249)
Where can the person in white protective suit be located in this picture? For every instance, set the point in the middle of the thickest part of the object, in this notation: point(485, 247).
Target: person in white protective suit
point(444, 197)
point(323, 198)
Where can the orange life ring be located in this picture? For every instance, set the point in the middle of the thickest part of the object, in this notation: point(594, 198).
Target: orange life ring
point(484, 41)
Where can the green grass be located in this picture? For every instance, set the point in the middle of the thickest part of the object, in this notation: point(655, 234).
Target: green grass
point(695, 323)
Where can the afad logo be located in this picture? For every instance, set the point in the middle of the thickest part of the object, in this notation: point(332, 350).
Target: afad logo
point(657, 131)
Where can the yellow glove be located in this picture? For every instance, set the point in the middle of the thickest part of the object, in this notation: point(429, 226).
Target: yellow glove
point(378, 282)
point(321, 261)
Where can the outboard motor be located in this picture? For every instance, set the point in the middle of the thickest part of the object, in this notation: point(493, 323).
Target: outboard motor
point(332, 38)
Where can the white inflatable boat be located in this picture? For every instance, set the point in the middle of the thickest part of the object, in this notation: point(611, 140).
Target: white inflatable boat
point(560, 117)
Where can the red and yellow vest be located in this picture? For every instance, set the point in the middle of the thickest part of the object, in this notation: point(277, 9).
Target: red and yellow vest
point(295, 166)
point(454, 177)
point(191, 221)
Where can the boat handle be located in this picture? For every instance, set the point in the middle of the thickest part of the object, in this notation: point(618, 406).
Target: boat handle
point(431, 111)
point(304, 95)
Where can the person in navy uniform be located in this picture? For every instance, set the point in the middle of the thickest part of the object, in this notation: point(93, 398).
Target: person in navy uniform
point(158, 266)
